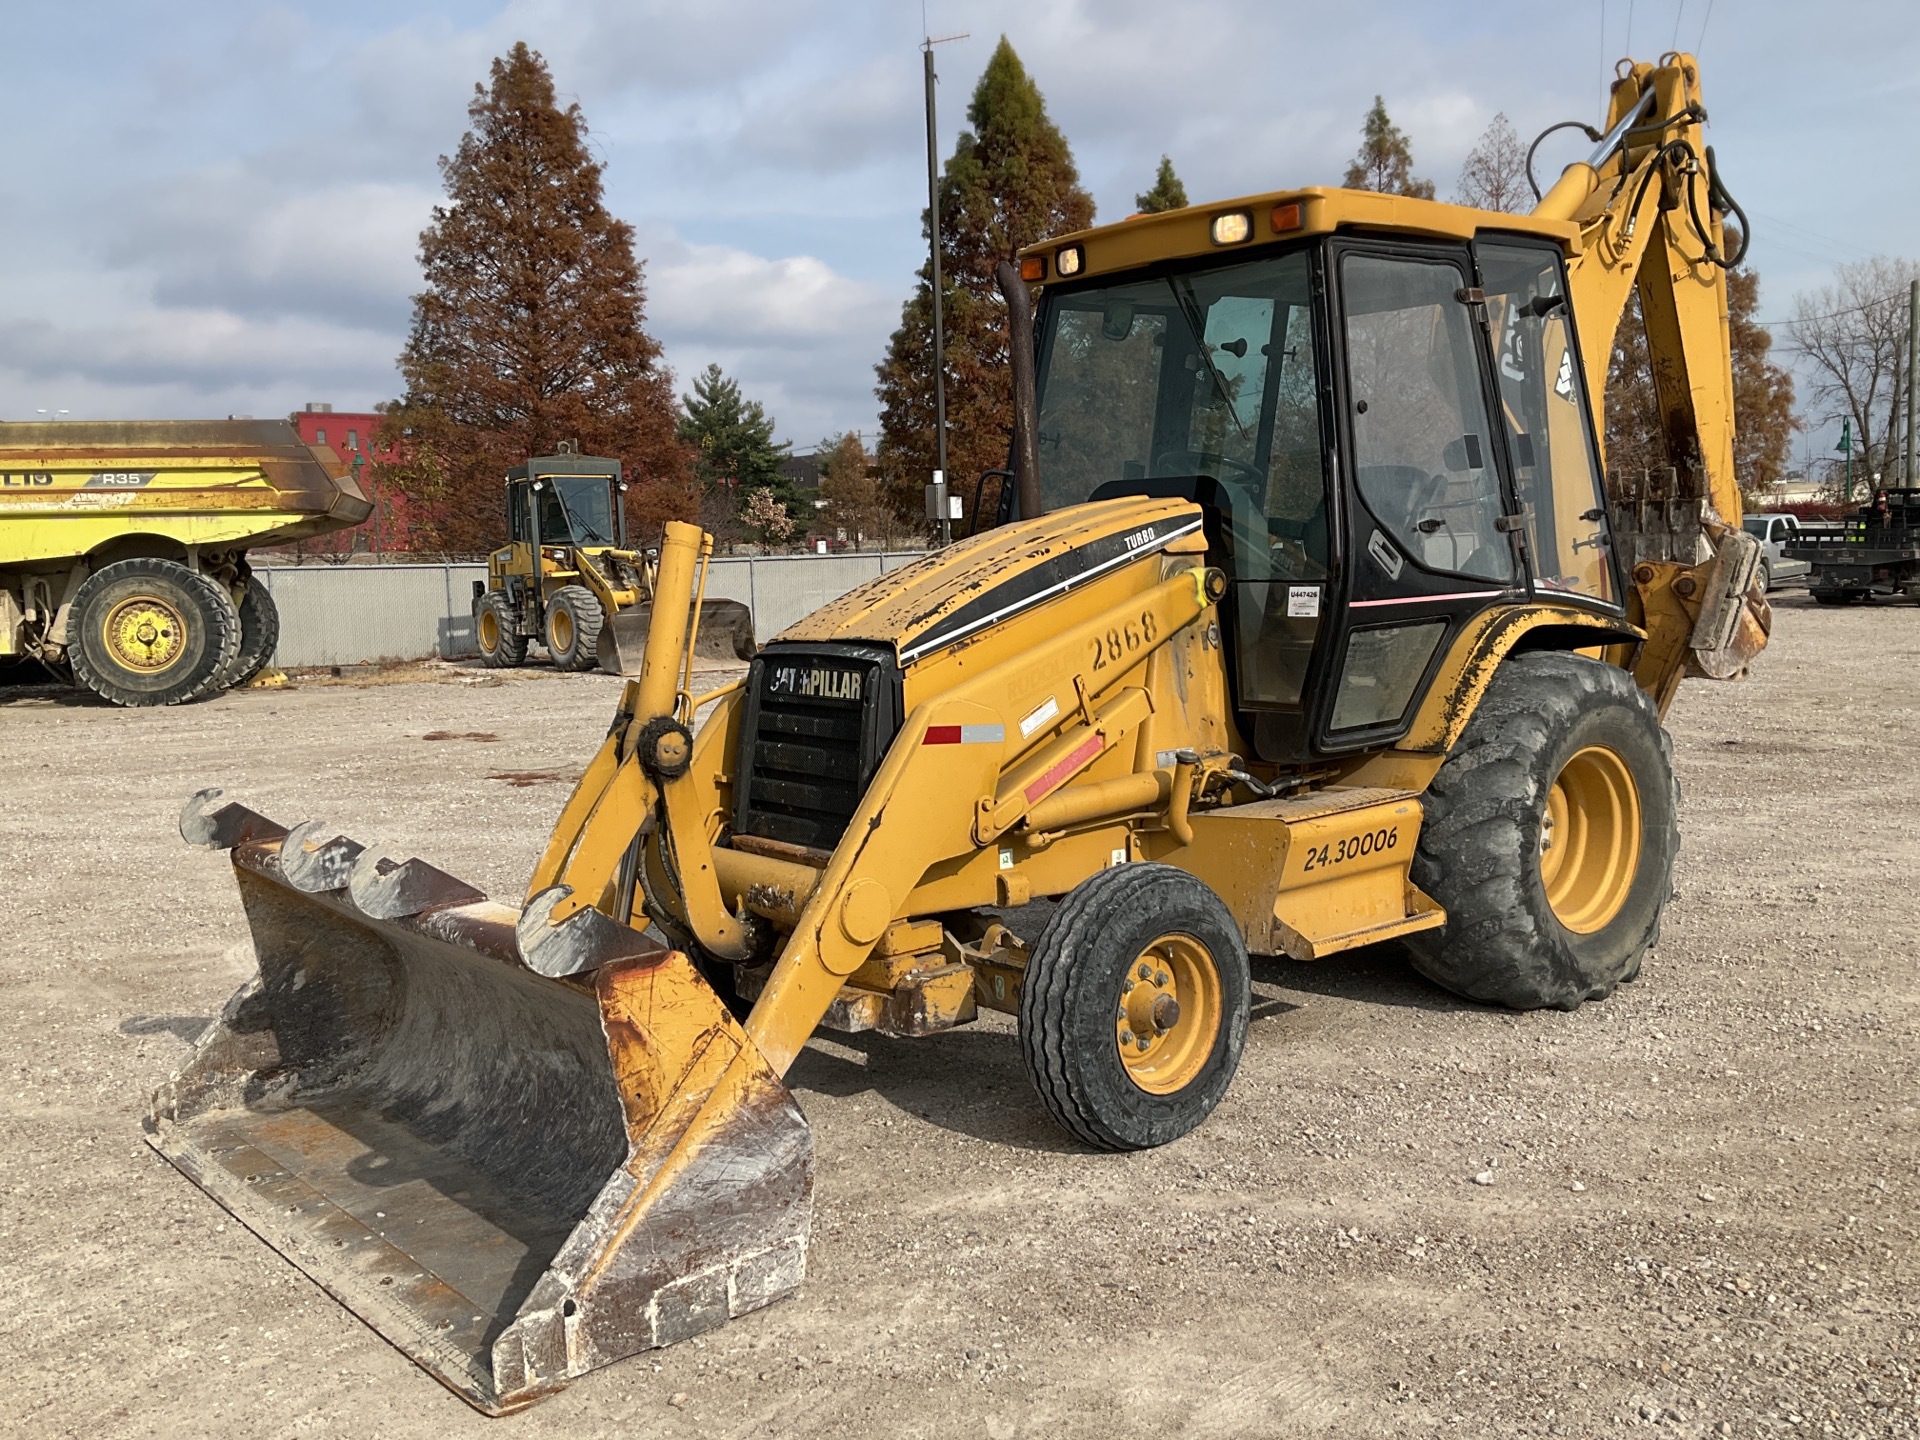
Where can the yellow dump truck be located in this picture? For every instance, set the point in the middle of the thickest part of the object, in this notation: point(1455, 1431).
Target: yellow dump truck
point(123, 547)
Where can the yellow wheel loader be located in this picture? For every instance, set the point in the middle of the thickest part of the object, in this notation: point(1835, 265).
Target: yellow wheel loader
point(123, 547)
point(1308, 624)
point(565, 578)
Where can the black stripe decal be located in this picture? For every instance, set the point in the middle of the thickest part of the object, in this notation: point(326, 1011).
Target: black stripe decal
point(1046, 580)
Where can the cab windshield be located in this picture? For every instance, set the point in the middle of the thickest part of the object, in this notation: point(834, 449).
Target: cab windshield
point(577, 510)
point(1204, 373)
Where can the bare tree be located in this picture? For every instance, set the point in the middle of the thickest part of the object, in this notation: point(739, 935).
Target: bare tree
point(1852, 336)
point(1494, 176)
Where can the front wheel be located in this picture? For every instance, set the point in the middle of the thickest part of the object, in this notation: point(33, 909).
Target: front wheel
point(151, 632)
point(574, 618)
point(1133, 1013)
point(1549, 837)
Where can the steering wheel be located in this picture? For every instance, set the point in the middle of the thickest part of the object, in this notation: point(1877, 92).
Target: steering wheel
point(1195, 462)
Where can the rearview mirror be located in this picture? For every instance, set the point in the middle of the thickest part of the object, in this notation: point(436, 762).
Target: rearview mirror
point(1116, 321)
point(1462, 454)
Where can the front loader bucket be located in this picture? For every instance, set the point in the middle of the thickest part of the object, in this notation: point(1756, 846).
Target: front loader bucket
point(726, 633)
point(514, 1179)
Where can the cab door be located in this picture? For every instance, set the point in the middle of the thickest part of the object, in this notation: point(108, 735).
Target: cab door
point(1433, 528)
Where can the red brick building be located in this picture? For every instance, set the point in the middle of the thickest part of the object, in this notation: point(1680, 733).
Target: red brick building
point(349, 434)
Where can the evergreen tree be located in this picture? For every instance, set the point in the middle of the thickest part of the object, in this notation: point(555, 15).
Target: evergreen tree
point(1167, 192)
point(734, 454)
point(1494, 175)
point(1011, 182)
point(1385, 159)
point(531, 329)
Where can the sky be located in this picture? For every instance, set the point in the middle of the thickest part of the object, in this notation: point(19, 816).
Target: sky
point(214, 209)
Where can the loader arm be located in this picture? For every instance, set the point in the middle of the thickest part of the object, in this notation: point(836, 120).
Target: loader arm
point(1650, 210)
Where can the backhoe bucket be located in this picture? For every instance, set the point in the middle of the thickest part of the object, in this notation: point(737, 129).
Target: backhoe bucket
point(726, 633)
point(512, 1178)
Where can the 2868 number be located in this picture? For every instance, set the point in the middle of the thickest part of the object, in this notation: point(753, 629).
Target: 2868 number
point(1122, 640)
point(1351, 848)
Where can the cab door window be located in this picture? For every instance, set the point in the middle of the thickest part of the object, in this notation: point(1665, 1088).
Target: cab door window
point(1423, 451)
point(1556, 474)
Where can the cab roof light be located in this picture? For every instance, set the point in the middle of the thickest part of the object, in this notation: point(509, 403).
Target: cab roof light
point(1232, 227)
point(1069, 260)
point(1033, 267)
point(1289, 216)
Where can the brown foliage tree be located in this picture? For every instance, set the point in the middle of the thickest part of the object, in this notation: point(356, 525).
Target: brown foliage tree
point(1385, 158)
point(530, 331)
point(1494, 175)
point(1762, 394)
point(1011, 182)
point(855, 498)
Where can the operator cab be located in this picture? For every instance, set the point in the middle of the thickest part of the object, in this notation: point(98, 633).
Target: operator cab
point(566, 500)
point(1388, 436)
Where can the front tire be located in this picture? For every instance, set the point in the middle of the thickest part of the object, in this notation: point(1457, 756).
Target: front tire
point(1549, 838)
point(574, 618)
point(1133, 1013)
point(151, 632)
point(502, 646)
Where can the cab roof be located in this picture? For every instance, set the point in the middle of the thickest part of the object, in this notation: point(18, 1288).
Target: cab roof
point(1182, 234)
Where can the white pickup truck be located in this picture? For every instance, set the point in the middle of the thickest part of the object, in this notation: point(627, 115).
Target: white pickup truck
point(1773, 531)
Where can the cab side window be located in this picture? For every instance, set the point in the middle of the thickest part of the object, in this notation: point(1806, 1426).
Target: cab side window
point(1423, 449)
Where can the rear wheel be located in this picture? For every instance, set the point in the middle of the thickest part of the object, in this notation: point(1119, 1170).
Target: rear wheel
point(1549, 838)
point(1765, 577)
point(1133, 1014)
point(151, 632)
point(574, 618)
point(502, 646)
point(259, 634)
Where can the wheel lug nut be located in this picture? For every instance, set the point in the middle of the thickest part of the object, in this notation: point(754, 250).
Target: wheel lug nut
point(1162, 979)
point(1146, 972)
point(1126, 1037)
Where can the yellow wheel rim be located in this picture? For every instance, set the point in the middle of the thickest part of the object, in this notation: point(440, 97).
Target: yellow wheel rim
point(145, 634)
point(1590, 840)
point(562, 627)
point(1169, 1014)
point(489, 631)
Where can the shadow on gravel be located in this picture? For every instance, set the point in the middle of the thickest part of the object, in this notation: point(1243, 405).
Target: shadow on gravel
point(1376, 975)
point(182, 1027)
point(971, 1082)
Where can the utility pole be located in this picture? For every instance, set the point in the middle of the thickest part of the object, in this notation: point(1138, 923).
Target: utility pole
point(937, 506)
point(1846, 444)
point(1913, 381)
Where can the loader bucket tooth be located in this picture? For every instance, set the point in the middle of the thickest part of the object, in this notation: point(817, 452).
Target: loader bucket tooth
point(387, 890)
point(314, 857)
point(584, 941)
point(205, 822)
point(513, 1179)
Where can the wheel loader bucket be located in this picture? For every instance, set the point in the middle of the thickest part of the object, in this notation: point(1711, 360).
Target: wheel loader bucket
point(512, 1178)
point(726, 633)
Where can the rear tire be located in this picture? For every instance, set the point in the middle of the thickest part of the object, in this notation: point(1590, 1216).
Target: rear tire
point(574, 618)
point(1549, 838)
point(259, 635)
point(151, 632)
point(502, 646)
point(1765, 577)
point(1126, 1060)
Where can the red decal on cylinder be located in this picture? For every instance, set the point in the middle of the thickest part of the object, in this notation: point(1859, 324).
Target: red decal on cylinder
point(1057, 773)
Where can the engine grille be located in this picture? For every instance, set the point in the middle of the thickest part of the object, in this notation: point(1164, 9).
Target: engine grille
point(816, 726)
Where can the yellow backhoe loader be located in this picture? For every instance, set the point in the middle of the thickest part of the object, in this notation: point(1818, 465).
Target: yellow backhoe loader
point(1308, 625)
point(566, 579)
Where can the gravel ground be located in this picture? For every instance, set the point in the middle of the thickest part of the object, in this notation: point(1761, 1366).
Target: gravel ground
point(1699, 1222)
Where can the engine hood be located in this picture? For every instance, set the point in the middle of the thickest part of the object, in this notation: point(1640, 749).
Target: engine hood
point(943, 598)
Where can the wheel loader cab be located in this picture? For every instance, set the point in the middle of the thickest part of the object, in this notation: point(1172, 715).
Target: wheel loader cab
point(1388, 437)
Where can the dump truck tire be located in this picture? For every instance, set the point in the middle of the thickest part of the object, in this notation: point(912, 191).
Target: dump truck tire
point(259, 635)
point(151, 632)
point(1133, 1014)
point(502, 646)
point(574, 618)
point(1549, 838)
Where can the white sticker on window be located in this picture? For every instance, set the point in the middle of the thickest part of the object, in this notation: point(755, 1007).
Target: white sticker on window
point(1039, 717)
point(1303, 601)
point(1563, 382)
